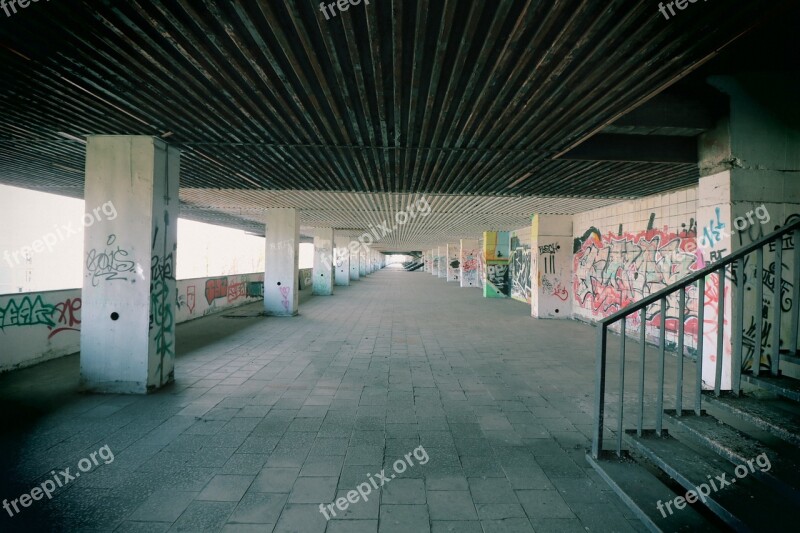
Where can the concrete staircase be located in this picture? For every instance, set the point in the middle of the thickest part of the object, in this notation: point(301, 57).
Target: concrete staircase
point(742, 452)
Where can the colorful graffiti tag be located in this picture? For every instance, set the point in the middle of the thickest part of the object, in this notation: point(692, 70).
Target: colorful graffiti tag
point(614, 271)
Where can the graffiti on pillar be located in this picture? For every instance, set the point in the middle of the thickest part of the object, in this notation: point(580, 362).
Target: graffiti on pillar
point(285, 293)
point(216, 288)
point(497, 279)
point(111, 263)
point(714, 231)
point(470, 258)
point(26, 312)
point(548, 259)
point(161, 308)
point(66, 316)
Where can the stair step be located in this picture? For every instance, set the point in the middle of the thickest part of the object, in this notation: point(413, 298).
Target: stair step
point(640, 490)
point(782, 386)
point(761, 413)
point(737, 447)
point(744, 503)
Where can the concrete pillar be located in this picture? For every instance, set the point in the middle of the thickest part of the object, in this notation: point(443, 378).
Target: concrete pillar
point(362, 262)
point(280, 275)
point(453, 262)
point(434, 261)
point(322, 284)
point(341, 258)
point(749, 186)
point(551, 266)
point(468, 263)
point(355, 262)
point(424, 261)
point(441, 254)
point(496, 249)
point(128, 298)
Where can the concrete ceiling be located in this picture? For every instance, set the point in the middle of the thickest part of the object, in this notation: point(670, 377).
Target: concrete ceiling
point(471, 103)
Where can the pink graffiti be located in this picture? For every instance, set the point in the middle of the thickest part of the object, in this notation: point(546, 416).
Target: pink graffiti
point(236, 291)
point(285, 292)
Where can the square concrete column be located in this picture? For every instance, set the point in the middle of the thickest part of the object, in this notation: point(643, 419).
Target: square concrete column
point(468, 263)
point(551, 266)
point(322, 284)
point(441, 253)
point(342, 259)
point(282, 257)
point(355, 264)
point(496, 250)
point(424, 261)
point(434, 253)
point(129, 294)
point(362, 262)
point(453, 262)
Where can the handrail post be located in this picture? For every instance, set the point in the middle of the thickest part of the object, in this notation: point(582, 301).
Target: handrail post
point(755, 366)
point(701, 312)
point(661, 349)
point(642, 347)
point(720, 331)
point(679, 380)
point(600, 389)
point(793, 342)
point(621, 403)
point(738, 328)
point(777, 290)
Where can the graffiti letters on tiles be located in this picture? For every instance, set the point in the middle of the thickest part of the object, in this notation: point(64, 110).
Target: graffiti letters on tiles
point(614, 271)
point(111, 263)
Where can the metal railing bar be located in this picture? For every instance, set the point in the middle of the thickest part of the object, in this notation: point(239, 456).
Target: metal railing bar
point(738, 328)
point(621, 402)
point(679, 380)
point(661, 349)
point(755, 366)
point(720, 330)
point(793, 341)
point(701, 311)
point(599, 391)
point(777, 290)
point(642, 346)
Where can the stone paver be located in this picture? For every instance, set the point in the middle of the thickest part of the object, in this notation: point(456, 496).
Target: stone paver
point(270, 417)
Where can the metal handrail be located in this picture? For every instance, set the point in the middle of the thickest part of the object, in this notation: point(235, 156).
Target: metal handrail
point(719, 267)
point(702, 273)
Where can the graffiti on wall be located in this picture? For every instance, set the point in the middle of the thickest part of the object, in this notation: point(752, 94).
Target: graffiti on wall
point(470, 258)
point(66, 316)
point(614, 271)
point(26, 312)
point(548, 259)
point(216, 288)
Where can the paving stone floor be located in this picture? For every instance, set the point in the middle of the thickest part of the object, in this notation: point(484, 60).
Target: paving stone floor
point(270, 417)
